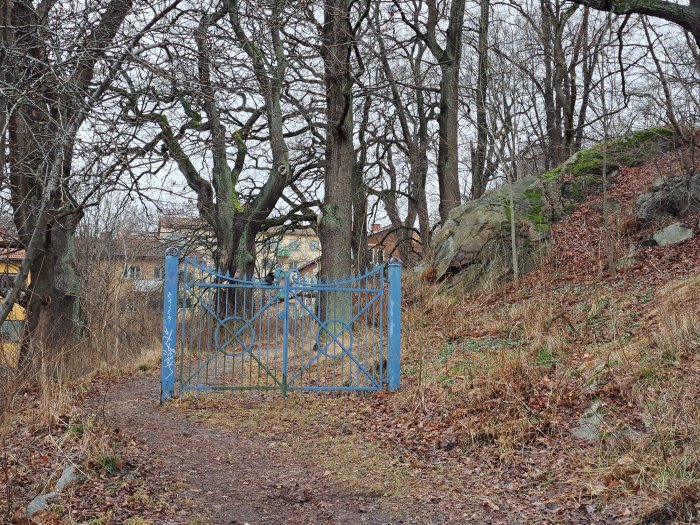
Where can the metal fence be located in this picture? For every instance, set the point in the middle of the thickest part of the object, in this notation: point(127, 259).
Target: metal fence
point(290, 334)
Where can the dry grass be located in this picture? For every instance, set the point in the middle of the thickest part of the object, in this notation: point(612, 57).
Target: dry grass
point(516, 371)
point(658, 451)
point(677, 316)
point(505, 387)
point(40, 399)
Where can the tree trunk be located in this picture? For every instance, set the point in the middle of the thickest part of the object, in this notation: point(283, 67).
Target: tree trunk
point(480, 178)
point(242, 260)
point(54, 313)
point(448, 119)
point(448, 157)
point(552, 117)
point(335, 226)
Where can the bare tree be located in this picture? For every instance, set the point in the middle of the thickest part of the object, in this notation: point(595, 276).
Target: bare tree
point(236, 208)
point(335, 225)
point(57, 67)
point(448, 56)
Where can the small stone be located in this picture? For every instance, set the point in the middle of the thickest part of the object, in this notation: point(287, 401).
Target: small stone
point(659, 183)
point(589, 423)
point(676, 233)
point(39, 503)
point(628, 261)
point(67, 477)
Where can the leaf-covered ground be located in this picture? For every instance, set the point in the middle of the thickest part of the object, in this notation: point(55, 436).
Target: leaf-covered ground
point(481, 432)
point(302, 461)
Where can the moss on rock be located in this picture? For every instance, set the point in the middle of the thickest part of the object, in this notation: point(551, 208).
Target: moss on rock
point(475, 241)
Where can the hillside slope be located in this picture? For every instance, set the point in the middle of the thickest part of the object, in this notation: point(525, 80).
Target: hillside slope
point(581, 379)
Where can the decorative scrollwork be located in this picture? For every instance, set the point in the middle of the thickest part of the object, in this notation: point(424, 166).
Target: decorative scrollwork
point(172, 251)
point(293, 276)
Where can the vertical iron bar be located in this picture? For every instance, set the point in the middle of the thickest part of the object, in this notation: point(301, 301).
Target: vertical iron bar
point(184, 323)
point(285, 340)
point(167, 373)
point(394, 351)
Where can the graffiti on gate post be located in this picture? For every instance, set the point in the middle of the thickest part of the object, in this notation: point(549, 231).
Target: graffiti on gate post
point(394, 347)
point(170, 286)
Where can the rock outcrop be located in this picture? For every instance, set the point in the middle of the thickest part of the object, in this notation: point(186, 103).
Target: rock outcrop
point(475, 240)
point(670, 198)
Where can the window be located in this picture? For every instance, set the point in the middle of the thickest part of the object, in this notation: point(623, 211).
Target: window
point(377, 255)
point(132, 271)
point(159, 273)
point(314, 245)
point(293, 265)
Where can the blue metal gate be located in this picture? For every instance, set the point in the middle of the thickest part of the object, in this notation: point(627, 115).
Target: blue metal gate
point(289, 334)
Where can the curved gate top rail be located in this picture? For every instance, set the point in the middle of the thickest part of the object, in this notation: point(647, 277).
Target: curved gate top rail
point(287, 334)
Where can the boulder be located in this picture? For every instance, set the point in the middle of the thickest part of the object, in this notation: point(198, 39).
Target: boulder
point(676, 233)
point(474, 243)
point(670, 198)
point(477, 233)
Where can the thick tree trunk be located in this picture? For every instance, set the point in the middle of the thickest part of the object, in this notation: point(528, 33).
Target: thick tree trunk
point(448, 119)
point(335, 225)
point(242, 261)
point(448, 155)
point(55, 317)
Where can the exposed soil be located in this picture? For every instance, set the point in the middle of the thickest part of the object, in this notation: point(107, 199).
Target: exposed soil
point(227, 477)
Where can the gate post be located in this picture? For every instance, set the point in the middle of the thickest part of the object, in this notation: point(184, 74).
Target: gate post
point(394, 350)
point(170, 286)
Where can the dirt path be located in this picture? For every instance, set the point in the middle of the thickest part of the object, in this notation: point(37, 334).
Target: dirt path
point(229, 478)
point(303, 462)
